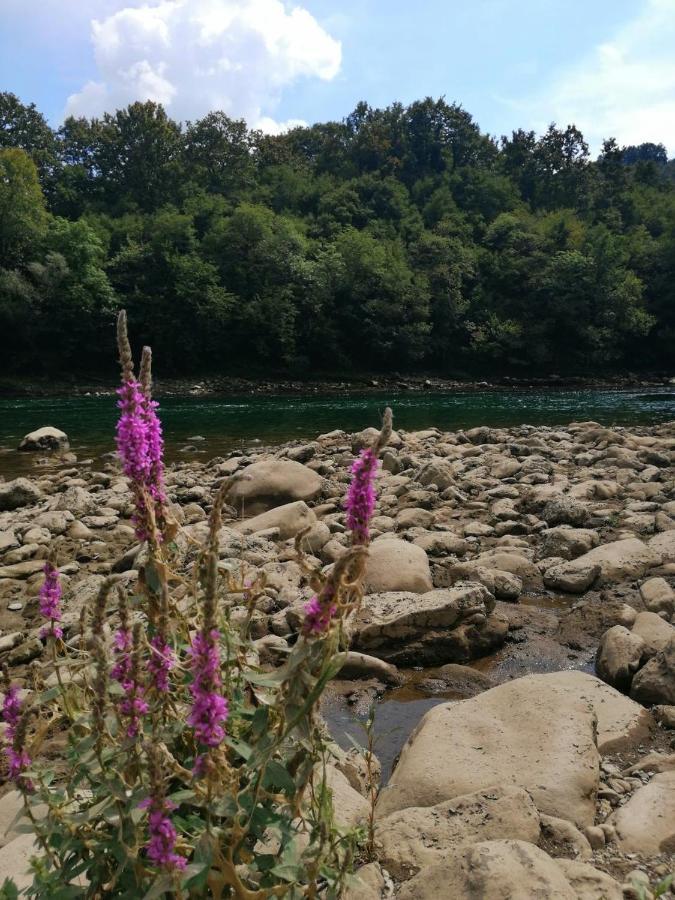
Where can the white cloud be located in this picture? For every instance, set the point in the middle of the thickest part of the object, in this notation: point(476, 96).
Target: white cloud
point(194, 56)
point(624, 89)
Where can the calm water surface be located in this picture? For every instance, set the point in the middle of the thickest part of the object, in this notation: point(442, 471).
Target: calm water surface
point(227, 423)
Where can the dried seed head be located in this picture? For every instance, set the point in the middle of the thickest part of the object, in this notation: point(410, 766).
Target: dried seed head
point(124, 347)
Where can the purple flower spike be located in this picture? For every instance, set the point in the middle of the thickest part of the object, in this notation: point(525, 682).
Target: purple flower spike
point(319, 612)
point(161, 846)
point(50, 602)
point(141, 449)
point(360, 502)
point(11, 709)
point(209, 708)
point(161, 662)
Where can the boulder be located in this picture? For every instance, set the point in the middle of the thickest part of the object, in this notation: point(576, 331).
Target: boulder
point(589, 883)
point(367, 883)
point(273, 482)
point(658, 596)
point(568, 543)
point(664, 545)
point(533, 732)
point(77, 501)
point(505, 561)
point(395, 565)
point(619, 656)
point(412, 839)
point(441, 543)
point(360, 665)
point(654, 631)
point(445, 625)
point(655, 682)
point(646, 823)
point(492, 870)
point(15, 860)
point(289, 519)
point(538, 732)
point(22, 569)
point(46, 438)
point(350, 808)
point(571, 579)
point(618, 561)
point(564, 510)
point(18, 493)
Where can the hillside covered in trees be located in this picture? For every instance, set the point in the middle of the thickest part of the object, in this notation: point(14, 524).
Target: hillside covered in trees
point(398, 239)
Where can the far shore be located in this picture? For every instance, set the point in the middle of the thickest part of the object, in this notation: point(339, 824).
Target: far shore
point(226, 385)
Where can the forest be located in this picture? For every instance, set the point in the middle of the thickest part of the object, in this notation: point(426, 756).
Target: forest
point(401, 239)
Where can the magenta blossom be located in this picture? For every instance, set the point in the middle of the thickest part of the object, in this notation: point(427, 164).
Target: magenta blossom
point(161, 662)
point(11, 709)
point(141, 447)
point(122, 646)
point(50, 602)
point(18, 759)
point(319, 612)
point(133, 707)
point(161, 846)
point(360, 501)
point(209, 708)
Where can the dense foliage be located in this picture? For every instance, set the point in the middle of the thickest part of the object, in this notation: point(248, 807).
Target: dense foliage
point(400, 238)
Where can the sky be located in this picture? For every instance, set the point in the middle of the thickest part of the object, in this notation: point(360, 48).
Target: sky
point(607, 66)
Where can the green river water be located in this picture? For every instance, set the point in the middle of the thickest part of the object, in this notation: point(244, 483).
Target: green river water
point(227, 423)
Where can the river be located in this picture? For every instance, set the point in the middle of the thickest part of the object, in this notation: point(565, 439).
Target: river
point(216, 425)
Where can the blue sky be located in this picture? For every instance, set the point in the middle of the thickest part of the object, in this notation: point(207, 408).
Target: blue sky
point(607, 65)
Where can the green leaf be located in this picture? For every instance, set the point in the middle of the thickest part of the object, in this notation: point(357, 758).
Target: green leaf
point(277, 776)
point(162, 885)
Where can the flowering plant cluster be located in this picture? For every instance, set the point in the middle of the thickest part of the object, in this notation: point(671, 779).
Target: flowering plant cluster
point(191, 770)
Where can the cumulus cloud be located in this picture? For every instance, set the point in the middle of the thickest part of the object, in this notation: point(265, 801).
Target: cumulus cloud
point(625, 88)
point(194, 56)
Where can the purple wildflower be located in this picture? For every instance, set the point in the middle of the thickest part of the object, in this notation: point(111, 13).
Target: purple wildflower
point(17, 757)
point(11, 709)
point(161, 662)
point(360, 502)
point(161, 846)
point(209, 708)
point(50, 602)
point(19, 761)
point(319, 611)
point(122, 645)
point(141, 447)
point(133, 707)
point(126, 671)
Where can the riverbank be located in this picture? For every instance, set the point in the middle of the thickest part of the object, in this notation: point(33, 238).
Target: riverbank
point(228, 386)
point(508, 566)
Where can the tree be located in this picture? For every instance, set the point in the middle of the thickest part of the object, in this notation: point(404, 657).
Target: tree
point(23, 218)
point(25, 128)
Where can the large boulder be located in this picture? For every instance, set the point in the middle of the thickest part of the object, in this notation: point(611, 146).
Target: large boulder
point(78, 501)
point(568, 543)
point(289, 519)
point(646, 824)
point(412, 839)
point(532, 732)
point(18, 493)
point(505, 561)
point(46, 438)
point(538, 732)
point(492, 870)
point(654, 631)
point(655, 682)
point(664, 545)
point(395, 565)
point(564, 510)
point(658, 596)
point(619, 657)
point(436, 627)
point(618, 560)
point(273, 482)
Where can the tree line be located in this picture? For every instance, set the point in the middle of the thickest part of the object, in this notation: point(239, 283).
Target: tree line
point(398, 239)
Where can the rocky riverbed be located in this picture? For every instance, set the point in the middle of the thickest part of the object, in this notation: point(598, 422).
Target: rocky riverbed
point(520, 582)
